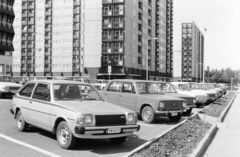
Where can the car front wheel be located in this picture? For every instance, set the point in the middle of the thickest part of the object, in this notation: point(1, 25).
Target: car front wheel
point(22, 125)
point(64, 135)
point(148, 115)
point(188, 112)
point(118, 140)
point(175, 118)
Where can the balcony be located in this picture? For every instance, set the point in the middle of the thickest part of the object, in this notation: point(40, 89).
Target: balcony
point(106, 1)
point(118, 37)
point(30, 61)
point(107, 50)
point(31, 70)
point(47, 61)
point(76, 27)
point(31, 30)
point(48, 12)
point(24, 46)
point(118, 25)
point(107, 37)
point(139, 54)
point(24, 14)
point(75, 69)
point(107, 13)
point(24, 22)
point(30, 37)
point(48, 37)
point(47, 45)
point(24, 37)
point(24, 69)
point(118, 50)
point(107, 25)
point(117, 63)
point(75, 61)
point(48, 4)
point(24, 6)
point(76, 2)
point(118, 12)
point(47, 69)
point(139, 65)
point(48, 20)
point(31, 6)
point(31, 14)
point(8, 69)
point(48, 28)
point(76, 44)
point(31, 22)
point(76, 19)
point(30, 45)
point(24, 61)
point(118, 1)
point(75, 53)
point(76, 10)
point(105, 63)
point(23, 53)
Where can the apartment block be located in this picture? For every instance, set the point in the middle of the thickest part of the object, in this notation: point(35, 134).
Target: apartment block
point(6, 36)
point(93, 38)
point(190, 41)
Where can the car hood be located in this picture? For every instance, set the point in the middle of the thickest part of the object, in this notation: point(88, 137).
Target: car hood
point(192, 93)
point(161, 97)
point(10, 84)
point(180, 95)
point(94, 107)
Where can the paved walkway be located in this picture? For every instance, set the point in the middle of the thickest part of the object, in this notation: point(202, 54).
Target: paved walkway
point(227, 140)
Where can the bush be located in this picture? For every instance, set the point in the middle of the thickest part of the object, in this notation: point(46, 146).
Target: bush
point(179, 142)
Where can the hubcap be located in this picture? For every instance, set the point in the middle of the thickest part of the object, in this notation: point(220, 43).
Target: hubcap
point(63, 135)
point(147, 114)
point(20, 121)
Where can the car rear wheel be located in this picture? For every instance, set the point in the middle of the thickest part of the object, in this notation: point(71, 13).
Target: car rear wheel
point(118, 140)
point(175, 118)
point(22, 125)
point(1, 95)
point(188, 112)
point(148, 115)
point(64, 135)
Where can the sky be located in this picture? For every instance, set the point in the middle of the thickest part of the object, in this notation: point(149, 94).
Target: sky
point(221, 19)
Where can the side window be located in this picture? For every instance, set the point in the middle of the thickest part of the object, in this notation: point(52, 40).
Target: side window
point(128, 87)
point(175, 87)
point(27, 90)
point(42, 92)
point(115, 87)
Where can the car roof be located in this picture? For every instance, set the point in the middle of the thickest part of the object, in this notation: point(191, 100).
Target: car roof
point(179, 82)
point(57, 82)
point(131, 80)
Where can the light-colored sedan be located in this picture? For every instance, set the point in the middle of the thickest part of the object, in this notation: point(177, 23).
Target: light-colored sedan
point(144, 97)
point(61, 107)
point(182, 88)
point(6, 87)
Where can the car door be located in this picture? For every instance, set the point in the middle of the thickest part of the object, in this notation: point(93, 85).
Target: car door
point(23, 98)
point(40, 106)
point(127, 98)
point(112, 92)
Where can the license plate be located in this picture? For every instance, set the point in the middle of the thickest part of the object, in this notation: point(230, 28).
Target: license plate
point(114, 130)
point(174, 113)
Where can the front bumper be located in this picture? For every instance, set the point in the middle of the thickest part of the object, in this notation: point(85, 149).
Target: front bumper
point(101, 132)
point(166, 112)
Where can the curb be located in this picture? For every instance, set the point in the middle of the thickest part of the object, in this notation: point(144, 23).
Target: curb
point(155, 139)
point(205, 142)
point(210, 119)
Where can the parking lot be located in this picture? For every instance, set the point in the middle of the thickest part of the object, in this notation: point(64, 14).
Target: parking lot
point(39, 143)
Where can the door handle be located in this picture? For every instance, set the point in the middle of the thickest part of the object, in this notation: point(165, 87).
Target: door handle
point(30, 102)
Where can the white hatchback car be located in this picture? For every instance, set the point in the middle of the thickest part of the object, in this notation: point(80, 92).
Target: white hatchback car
point(62, 108)
point(6, 87)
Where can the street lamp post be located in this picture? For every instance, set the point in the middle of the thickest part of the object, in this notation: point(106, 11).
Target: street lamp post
point(204, 56)
point(154, 38)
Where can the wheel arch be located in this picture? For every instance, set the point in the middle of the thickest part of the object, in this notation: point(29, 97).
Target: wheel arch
point(144, 105)
point(16, 112)
point(57, 121)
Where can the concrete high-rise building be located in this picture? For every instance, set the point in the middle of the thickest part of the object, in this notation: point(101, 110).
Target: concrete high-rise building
point(85, 38)
point(189, 42)
point(6, 36)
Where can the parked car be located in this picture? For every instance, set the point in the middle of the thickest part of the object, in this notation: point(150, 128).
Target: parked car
point(101, 83)
point(169, 90)
point(212, 94)
point(58, 106)
point(182, 88)
point(84, 80)
point(144, 97)
point(7, 86)
point(213, 86)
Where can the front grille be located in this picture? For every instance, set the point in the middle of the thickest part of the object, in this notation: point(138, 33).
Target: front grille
point(110, 120)
point(14, 88)
point(173, 105)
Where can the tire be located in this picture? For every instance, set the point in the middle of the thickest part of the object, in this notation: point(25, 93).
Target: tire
point(198, 105)
point(175, 118)
point(188, 112)
point(22, 125)
point(64, 135)
point(147, 114)
point(118, 140)
point(1, 95)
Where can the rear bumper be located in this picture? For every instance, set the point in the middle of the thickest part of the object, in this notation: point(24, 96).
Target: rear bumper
point(101, 132)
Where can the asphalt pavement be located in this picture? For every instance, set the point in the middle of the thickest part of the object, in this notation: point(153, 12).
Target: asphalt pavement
point(227, 140)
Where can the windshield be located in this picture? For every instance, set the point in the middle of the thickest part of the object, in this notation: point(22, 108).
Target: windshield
point(68, 92)
point(184, 87)
point(202, 86)
point(167, 87)
point(148, 88)
point(193, 86)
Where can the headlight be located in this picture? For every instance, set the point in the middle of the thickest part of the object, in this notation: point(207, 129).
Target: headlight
point(88, 119)
point(184, 104)
point(161, 104)
point(194, 101)
point(130, 117)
